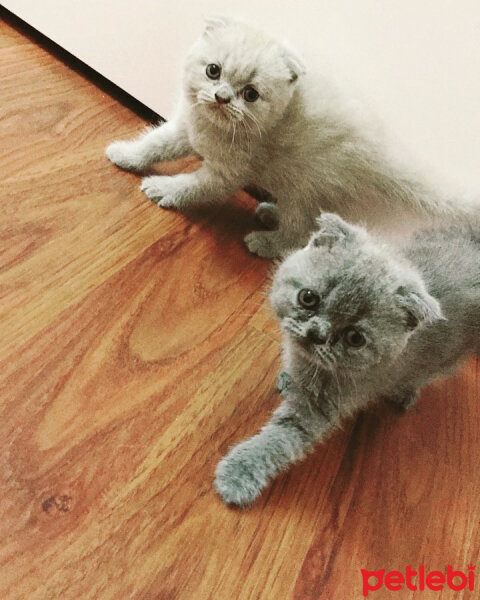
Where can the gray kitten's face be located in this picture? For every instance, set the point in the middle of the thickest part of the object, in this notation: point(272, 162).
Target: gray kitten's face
point(343, 304)
point(236, 75)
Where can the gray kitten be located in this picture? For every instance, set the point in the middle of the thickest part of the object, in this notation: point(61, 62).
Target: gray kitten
point(361, 320)
point(250, 111)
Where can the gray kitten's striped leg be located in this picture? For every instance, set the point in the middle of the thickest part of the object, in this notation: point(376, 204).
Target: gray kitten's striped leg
point(246, 470)
point(267, 209)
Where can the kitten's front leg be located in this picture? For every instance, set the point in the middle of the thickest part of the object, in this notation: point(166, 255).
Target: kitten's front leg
point(263, 244)
point(165, 142)
point(188, 189)
point(294, 227)
point(245, 471)
point(273, 244)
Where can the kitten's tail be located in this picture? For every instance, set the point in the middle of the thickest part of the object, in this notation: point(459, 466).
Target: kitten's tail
point(404, 187)
point(459, 209)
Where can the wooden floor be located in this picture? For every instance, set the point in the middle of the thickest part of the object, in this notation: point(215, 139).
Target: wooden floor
point(135, 348)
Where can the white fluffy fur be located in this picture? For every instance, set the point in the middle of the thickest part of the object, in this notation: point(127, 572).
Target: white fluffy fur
point(294, 141)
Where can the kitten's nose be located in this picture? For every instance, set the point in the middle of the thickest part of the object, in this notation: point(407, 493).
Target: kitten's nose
point(222, 99)
point(314, 336)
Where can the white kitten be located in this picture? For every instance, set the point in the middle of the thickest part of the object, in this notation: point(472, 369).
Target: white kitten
point(248, 110)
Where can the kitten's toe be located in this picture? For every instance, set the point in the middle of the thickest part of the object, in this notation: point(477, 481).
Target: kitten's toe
point(167, 202)
point(124, 155)
point(236, 481)
point(149, 186)
point(267, 214)
point(150, 189)
point(260, 243)
point(161, 190)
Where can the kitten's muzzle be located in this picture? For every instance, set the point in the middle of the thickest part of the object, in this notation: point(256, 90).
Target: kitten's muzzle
point(222, 98)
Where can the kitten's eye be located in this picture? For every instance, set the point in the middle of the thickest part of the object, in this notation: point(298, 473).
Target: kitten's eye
point(213, 71)
point(354, 338)
point(250, 94)
point(308, 299)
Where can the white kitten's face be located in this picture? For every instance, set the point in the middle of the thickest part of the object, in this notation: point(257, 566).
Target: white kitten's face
point(235, 75)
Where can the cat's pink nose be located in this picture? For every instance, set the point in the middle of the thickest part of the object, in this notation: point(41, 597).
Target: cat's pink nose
point(222, 99)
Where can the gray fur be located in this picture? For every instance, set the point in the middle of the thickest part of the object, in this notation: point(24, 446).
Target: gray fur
point(419, 310)
point(298, 141)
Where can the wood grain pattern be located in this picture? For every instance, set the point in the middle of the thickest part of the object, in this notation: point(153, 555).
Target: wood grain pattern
point(135, 348)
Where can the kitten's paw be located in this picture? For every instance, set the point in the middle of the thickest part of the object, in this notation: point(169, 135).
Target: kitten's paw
point(238, 480)
point(262, 243)
point(162, 190)
point(405, 400)
point(267, 214)
point(125, 155)
point(284, 382)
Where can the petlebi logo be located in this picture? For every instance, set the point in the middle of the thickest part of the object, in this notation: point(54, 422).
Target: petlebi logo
point(418, 580)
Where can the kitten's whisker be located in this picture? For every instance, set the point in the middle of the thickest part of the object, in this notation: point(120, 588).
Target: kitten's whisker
point(250, 115)
point(310, 408)
point(316, 371)
point(235, 111)
point(233, 134)
point(354, 384)
point(204, 98)
point(247, 137)
point(246, 126)
point(198, 102)
point(337, 381)
point(258, 127)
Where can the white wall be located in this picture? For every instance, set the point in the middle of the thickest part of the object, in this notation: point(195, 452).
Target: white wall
point(416, 61)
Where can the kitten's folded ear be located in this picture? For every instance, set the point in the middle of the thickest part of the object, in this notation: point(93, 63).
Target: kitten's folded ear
point(215, 22)
point(333, 229)
point(419, 306)
point(294, 62)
